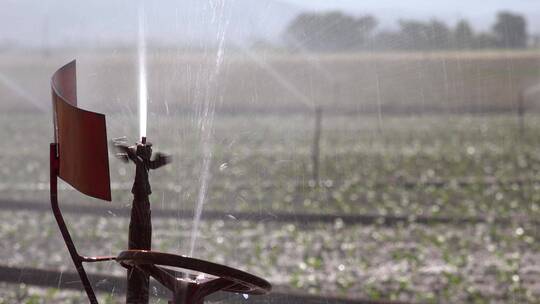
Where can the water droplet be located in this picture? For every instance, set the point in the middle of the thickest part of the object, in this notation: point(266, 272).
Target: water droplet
point(246, 296)
point(519, 231)
point(338, 223)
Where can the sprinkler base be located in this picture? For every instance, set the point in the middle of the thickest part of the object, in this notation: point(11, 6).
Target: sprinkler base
point(186, 287)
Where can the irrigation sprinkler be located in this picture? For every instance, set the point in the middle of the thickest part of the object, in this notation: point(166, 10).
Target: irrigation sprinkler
point(140, 225)
point(79, 156)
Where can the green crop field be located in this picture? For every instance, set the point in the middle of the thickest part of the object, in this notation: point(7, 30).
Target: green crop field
point(262, 164)
point(431, 135)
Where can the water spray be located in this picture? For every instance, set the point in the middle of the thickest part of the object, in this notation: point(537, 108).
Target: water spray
point(142, 78)
point(79, 156)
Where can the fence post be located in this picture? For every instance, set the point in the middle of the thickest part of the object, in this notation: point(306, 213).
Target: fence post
point(521, 113)
point(315, 156)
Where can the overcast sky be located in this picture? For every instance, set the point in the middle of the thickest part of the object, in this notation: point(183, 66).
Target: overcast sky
point(39, 23)
point(480, 12)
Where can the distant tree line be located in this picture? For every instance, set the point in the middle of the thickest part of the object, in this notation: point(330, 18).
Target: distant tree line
point(337, 31)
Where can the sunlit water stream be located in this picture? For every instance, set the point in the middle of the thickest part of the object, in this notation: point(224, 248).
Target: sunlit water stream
point(204, 100)
point(206, 117)
point(142, 77)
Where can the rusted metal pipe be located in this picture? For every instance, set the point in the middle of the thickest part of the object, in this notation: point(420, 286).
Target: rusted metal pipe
point(77, 259)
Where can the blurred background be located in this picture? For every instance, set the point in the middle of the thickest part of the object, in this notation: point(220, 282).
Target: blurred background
point(344, 150)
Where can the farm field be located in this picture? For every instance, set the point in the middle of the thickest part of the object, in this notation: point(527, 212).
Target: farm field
point(255, 82)
point(262, 164)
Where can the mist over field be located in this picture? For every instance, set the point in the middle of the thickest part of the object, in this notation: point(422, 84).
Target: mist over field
point(345, 151)
point(102, 23)
point(406, 83)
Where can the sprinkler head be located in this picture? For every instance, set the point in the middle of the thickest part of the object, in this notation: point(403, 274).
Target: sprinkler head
point(144, 149)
